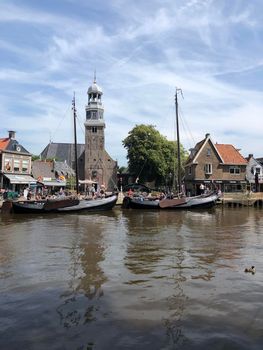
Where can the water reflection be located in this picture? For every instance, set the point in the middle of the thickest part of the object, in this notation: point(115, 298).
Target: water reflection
point(86, 276)
point(131, 279)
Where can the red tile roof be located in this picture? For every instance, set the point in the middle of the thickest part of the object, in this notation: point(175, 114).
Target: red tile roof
point(230, 154)
point(4, 143)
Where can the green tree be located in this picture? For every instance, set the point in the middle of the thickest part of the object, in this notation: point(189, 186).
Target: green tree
point(151, 157)
point(122, 169)
point(35, 157)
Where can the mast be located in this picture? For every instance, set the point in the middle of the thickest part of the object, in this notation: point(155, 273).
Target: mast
point(75, 144)
point(179, 182)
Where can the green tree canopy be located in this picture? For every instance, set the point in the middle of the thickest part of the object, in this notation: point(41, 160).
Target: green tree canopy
point(151, 157)
point(35, 157)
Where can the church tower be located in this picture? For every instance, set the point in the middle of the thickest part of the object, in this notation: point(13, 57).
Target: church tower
point(99, 166)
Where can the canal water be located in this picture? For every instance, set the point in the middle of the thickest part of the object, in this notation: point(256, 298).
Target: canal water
point(129, 279)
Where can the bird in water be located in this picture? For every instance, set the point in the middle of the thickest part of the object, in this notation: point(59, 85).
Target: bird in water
point(251, 269)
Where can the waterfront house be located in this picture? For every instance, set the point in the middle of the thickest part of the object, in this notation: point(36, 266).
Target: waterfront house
point(254, 174)
point(215, 165)
point(15, 164)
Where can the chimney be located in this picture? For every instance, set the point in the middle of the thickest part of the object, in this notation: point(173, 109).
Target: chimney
point(207, 135)
point(250, 156)
point(11, 134)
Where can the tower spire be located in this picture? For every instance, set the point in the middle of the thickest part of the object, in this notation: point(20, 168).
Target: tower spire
point(95, 76)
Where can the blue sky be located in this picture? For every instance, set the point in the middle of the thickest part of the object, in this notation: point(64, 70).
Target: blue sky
point(141, 51)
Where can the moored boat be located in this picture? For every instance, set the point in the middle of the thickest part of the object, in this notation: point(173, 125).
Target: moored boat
point(140, 202)
point(64, 205)
point(202, 201)
point(43, 206)
point(97, 204)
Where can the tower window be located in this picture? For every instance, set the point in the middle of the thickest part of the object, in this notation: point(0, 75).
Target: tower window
point(94, 129)
point(93, 115)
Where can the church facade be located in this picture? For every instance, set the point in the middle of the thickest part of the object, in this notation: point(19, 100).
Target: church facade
point(94, 163)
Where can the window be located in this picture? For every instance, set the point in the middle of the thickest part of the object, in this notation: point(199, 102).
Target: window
point(190, 170)
point(94, 129)
point(258, 171)
point(208, 169)
point(93, 115)
point(16, 165)
point(234, 169)
point(208, 152)
point(25, 165)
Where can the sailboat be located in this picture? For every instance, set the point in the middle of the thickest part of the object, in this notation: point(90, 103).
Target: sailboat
point(67, 204)
point(180, 201)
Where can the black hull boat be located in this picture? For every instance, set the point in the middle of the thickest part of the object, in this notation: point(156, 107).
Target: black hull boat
point(42, 206)
point(98, 204)
point(203, 201)
point(140, 203)
point(65, 205)
point(196, 202)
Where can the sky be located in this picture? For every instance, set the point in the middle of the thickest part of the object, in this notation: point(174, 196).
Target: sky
point(142, 50)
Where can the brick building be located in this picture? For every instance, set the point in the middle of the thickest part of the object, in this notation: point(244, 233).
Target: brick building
point(215, 165)
point(15, 164)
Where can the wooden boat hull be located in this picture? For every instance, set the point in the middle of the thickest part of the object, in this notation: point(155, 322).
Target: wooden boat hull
point(99, 204)
point(207, 201)
point(43, 206)
point(65, 206)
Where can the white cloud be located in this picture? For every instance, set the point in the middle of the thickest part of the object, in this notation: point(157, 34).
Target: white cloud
point(141, 53)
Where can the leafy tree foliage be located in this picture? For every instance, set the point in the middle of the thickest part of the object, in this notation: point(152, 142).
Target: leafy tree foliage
point(151, 157)
point(35, 157)
point(121, 169)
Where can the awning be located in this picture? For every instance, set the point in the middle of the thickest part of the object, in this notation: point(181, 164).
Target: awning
point(53, 183)
point(20, 179)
